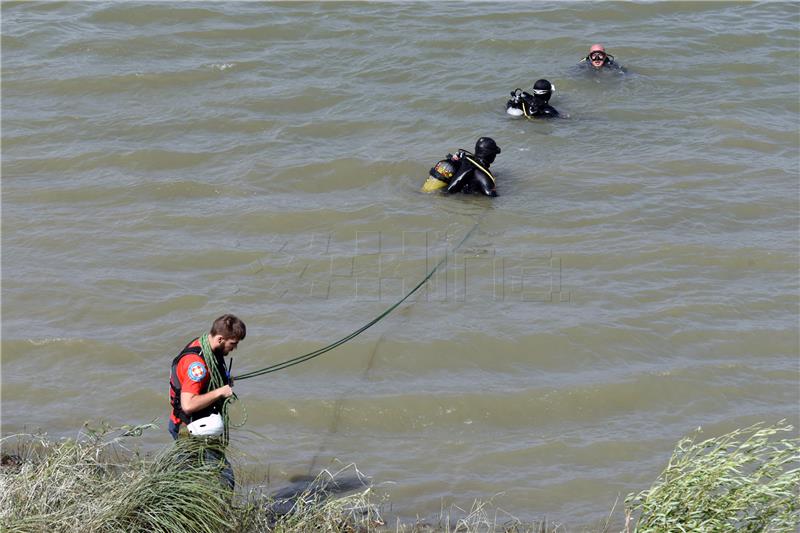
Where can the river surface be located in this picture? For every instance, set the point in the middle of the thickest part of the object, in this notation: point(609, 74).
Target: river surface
point(637, 277)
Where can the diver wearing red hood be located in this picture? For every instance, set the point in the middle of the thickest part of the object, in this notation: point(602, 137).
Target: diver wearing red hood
point(599, 59)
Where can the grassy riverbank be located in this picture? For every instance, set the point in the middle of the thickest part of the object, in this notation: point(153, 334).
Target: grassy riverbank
point(746, 480)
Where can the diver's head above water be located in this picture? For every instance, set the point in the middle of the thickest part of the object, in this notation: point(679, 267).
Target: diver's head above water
point(486, 149)
point(597, 56)
point(543, 90)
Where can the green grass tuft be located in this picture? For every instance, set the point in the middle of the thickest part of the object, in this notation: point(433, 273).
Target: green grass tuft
point(744, 481)
point(96, 485)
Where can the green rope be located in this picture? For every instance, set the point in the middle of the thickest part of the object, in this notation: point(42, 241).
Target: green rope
point(216, 381)
point(316, 353)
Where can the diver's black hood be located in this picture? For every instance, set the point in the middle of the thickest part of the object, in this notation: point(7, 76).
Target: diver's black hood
point(486, 150)
point(542, 91)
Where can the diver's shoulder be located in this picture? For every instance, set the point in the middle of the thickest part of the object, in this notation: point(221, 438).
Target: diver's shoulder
point(613, 65)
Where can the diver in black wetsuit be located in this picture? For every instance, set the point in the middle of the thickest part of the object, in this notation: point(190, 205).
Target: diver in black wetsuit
point(466, 172)
point(597, 59)
point(533, 105)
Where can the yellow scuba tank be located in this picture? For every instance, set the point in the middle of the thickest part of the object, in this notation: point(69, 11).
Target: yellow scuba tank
point(439, 175)
point(432, 184)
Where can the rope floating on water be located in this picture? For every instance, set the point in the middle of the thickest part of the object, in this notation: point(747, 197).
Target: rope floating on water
point(316, 353)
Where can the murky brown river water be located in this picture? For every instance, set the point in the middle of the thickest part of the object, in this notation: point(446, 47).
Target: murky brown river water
point(636, 278)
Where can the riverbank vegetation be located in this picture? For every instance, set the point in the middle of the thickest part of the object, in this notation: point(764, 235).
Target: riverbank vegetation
point(746, 480)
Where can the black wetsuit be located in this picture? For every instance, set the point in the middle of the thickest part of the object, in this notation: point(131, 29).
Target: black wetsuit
point(469, 177)
point(608, 64)
point(533, 106)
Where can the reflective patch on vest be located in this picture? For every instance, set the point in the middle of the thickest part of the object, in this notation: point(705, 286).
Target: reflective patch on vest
point(197, 371)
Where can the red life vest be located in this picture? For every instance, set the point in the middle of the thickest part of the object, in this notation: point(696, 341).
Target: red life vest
point(175, 384)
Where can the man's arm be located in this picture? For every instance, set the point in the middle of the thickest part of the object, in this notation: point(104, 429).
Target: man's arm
point(191, 402)
point(460, 179)
point(485, 183)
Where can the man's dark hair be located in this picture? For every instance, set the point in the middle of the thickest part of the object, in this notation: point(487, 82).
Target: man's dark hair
point(230, 327)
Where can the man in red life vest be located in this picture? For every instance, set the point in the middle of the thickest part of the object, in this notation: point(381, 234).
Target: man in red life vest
point(189, 381)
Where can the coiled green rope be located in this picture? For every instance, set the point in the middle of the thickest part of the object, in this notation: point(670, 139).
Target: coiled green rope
point(216, 381)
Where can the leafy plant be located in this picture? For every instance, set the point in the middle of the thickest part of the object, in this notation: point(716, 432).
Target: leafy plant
point(746, 481)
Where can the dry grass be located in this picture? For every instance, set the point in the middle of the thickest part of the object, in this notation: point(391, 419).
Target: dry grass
point(744, 481)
